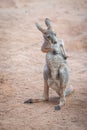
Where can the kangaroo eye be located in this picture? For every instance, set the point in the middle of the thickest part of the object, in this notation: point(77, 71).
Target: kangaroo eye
point(48, 36)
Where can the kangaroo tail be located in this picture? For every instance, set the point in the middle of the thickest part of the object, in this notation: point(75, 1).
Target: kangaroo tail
point(34, 100)
point(69, 90)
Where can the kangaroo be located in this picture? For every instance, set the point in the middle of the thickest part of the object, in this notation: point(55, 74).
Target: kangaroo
point(56, 70)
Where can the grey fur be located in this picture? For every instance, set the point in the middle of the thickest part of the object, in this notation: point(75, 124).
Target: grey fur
point(56, 70)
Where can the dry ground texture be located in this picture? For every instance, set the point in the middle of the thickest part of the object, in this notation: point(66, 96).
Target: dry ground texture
point(21, 64)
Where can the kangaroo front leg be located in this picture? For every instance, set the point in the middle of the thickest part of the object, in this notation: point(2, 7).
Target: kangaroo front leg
point(63, 51)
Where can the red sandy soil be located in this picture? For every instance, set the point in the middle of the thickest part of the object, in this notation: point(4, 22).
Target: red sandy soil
point(21, 64)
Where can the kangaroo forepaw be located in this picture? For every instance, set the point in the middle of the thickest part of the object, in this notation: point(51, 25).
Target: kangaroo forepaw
point(57, 107)
point(29, 101)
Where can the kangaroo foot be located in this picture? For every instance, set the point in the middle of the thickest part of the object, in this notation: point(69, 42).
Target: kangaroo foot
point(57, 107)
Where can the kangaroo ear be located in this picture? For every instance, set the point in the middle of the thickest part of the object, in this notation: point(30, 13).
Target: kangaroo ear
point(48, 23)
point(40, 28)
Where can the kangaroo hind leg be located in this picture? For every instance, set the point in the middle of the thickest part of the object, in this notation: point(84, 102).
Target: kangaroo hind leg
point(63, 78)
point(45, 97)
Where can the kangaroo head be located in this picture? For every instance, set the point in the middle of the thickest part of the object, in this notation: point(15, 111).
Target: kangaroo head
point(48, 34)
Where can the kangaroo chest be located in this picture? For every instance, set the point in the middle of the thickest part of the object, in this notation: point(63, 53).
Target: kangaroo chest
point(54, 60)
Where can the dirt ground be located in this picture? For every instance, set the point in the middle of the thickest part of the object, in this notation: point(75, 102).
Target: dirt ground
point(22, 62)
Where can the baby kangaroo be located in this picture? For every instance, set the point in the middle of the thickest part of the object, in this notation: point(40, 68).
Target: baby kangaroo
point(56, 71)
